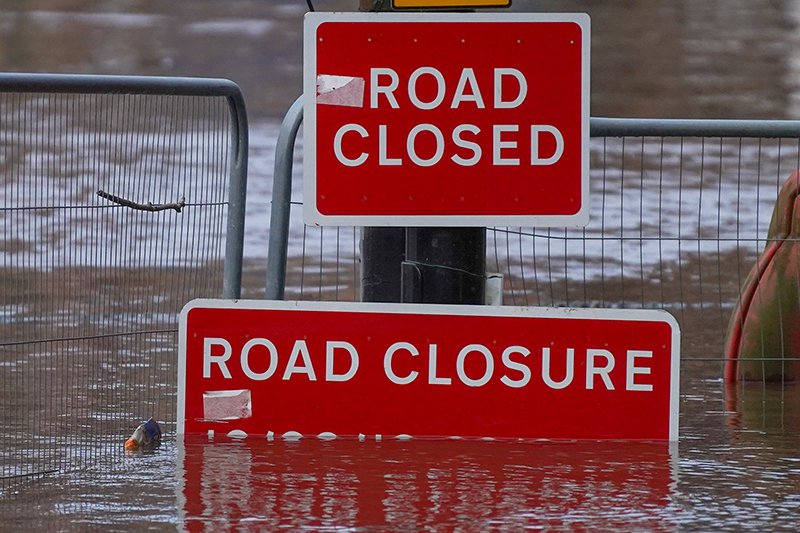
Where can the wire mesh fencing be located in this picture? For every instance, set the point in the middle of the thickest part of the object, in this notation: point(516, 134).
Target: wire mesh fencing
point(679, 213)
point(677, 224)
point(114, 206)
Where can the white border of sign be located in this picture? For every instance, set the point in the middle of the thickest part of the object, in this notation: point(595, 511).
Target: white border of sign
point(311, 214)
point(648, 315)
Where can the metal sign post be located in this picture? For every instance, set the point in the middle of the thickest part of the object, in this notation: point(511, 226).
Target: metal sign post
point(422, 265)
point(439, 265)
point(383, 249)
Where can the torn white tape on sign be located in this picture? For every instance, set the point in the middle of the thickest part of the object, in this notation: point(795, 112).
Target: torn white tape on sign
point(340, 90)
point(227, 404)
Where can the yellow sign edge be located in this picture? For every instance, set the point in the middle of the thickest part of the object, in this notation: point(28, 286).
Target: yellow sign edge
point(411, 4)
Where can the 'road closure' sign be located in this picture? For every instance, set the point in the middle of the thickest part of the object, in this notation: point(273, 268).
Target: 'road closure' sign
point(446, 119)
point(274, 368)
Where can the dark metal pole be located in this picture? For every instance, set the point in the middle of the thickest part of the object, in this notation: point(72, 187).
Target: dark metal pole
point(375, 5)
point(422, 265)
point(382, 249)
point(445, 266)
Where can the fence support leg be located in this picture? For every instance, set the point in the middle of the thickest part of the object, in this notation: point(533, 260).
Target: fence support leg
point(281, 202)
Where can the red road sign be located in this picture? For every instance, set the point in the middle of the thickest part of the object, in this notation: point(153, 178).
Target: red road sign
point(271, 368)
point(446, 119)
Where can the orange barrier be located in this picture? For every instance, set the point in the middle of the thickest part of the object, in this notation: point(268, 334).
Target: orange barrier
point(763, 341)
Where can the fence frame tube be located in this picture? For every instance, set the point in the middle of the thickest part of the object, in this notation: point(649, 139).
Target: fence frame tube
point(169, 86)
point(281, 201)
point(658, 127)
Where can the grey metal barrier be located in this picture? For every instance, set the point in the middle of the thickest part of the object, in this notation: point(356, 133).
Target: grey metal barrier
point(680, 211)
point(121, 198)
point(281, 202)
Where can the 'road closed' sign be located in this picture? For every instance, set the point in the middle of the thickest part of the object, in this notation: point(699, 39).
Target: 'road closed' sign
point(266, 368)
point(446, 119)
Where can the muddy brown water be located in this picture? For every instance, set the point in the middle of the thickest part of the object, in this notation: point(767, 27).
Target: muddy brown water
point(736, 466)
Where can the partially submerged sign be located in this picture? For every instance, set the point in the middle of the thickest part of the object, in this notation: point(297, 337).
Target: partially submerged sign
point(265, 368)
point(446, 119)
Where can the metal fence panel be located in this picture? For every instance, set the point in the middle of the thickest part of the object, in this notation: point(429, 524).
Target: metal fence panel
point(679, 213)
point(677, 223)
point(120, 199)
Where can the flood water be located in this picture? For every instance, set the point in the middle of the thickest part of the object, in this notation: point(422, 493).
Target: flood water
point(737, 465)
point(736, 468)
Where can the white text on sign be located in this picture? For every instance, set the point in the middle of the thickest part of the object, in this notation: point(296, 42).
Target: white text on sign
point(259, 361)
point(354, 144)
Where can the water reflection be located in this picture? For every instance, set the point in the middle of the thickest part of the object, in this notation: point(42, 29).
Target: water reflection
point(740, 476)
point(423, 484)
point(769, 408)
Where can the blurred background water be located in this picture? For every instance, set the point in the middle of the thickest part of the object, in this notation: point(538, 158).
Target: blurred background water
point(737, 465)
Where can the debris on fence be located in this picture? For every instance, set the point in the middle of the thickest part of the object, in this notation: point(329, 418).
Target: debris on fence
point(177, 206)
